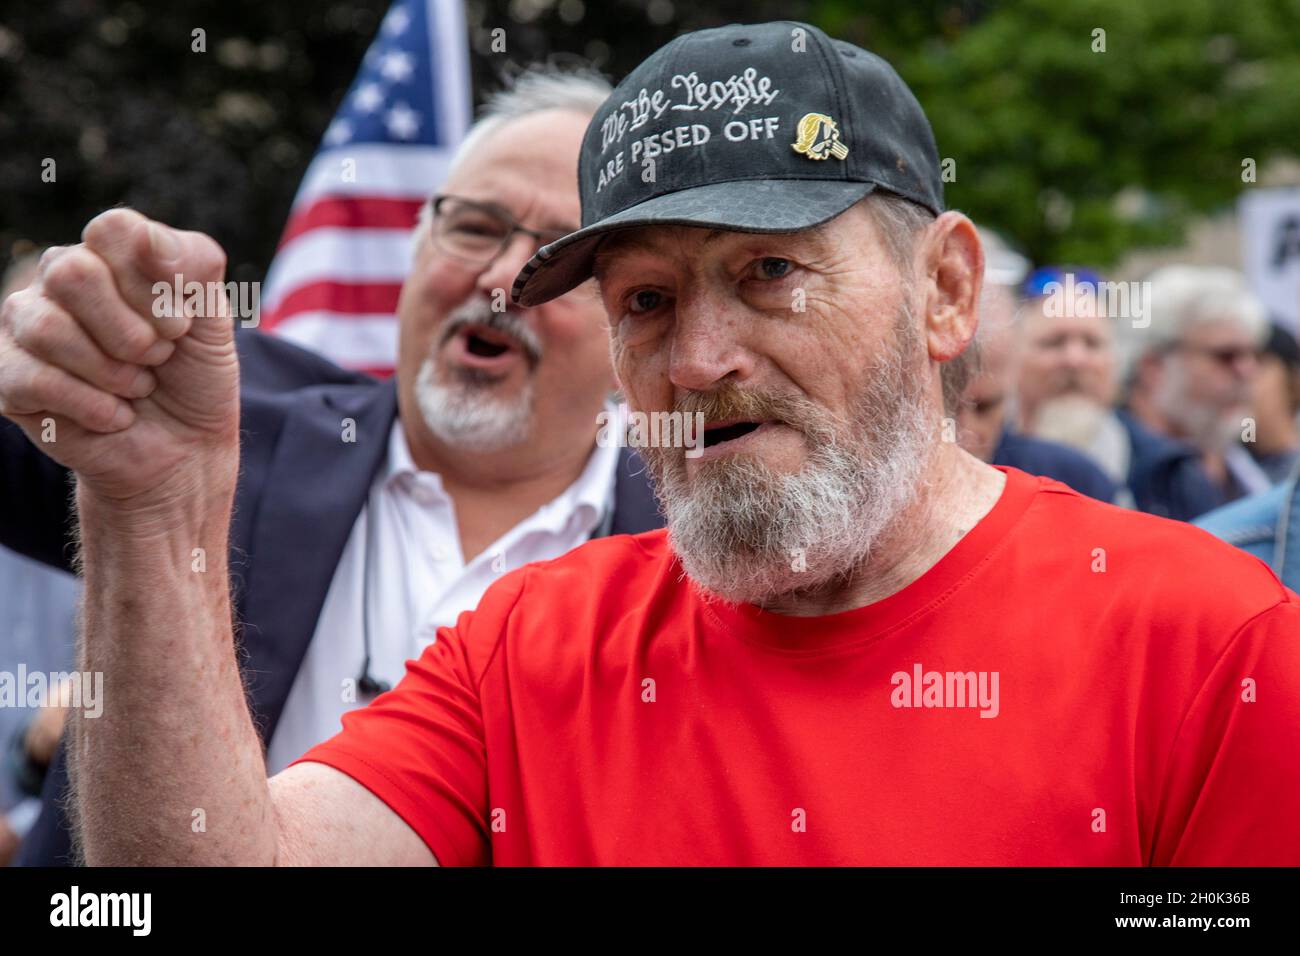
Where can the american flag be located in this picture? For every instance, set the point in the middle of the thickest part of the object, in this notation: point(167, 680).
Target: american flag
point(345, 251)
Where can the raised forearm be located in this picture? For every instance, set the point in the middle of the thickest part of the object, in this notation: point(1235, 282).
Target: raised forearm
point(137, 393)
point(172, 770)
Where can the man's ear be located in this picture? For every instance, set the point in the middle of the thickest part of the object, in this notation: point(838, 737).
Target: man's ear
point(952, 265)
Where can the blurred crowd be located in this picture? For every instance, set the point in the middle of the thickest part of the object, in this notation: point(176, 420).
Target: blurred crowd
point(1174, 395)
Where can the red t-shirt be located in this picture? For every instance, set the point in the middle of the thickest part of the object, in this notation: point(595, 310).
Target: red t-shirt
point(1071, 684)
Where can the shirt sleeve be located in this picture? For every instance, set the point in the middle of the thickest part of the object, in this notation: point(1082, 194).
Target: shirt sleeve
point(420, 747)
point(1232, 791)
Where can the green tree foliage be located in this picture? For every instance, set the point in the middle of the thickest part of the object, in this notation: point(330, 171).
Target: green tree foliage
point(1079, 154)
point(116, 94)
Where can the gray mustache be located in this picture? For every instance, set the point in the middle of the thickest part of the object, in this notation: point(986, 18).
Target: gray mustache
point(507, 323)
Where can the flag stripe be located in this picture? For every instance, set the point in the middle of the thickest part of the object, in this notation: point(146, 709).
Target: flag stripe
point(353, 211)
point(346, 298)
point(357, 341)
point(339, 255)
point(370, 169)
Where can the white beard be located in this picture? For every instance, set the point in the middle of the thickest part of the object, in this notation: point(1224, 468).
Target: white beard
point(465, 415)
point(747, 534)
point(1202, 426)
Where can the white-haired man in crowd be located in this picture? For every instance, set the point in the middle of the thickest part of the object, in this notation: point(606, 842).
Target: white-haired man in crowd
point(1192, 369)
point(1069, 383)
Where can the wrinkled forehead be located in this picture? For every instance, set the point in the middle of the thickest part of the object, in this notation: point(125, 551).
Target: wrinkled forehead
point(677, 242)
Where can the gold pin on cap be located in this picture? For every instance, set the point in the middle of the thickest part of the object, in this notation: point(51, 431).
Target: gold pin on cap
point(819, 138)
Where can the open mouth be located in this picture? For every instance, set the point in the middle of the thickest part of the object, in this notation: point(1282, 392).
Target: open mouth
point(477, 345)
point(488, 350)
point(487, 343)
point(727, 431)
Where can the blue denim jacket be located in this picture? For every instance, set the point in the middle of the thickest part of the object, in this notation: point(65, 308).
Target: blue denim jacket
point(1266, 525)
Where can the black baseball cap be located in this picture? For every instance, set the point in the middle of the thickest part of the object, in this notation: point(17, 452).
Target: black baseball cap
point(768, 127)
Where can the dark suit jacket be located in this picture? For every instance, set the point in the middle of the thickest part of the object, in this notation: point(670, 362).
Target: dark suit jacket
point(1067, 465)
point(300, 491)
point(1166, 476)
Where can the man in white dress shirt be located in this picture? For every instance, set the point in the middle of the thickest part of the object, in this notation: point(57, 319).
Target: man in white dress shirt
point(491, 463)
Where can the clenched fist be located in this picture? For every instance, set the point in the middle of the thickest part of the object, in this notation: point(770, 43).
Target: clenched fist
point(134, 391)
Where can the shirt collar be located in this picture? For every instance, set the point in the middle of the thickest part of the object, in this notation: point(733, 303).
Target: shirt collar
point(400, 461)
point(588, 498)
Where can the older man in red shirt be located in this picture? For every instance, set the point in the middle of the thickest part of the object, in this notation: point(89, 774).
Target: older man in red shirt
point(855, 644)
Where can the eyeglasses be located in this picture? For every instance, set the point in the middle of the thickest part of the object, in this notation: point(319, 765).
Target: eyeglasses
point(477, 232)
